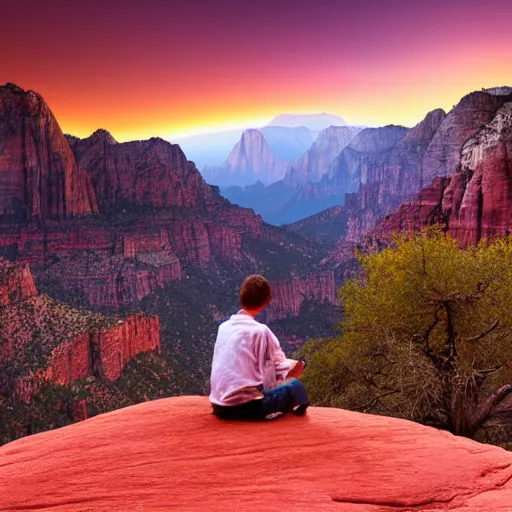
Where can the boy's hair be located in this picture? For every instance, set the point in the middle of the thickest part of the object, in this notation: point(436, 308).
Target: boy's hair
point(254, 292)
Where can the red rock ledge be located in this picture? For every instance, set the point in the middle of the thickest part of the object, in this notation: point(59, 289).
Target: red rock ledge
point(173, 454)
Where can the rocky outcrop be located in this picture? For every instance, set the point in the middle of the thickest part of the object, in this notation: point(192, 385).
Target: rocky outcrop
point(251, 160)
point(103, 353)
point(319, 158)
point(140, 175)
point(473, 111)
point(288, 296)
point(339, 460)
point(478, 201)
point(475, 202)
point(39, 178)
point(48, 339)
point(411, 216)
point(16, 283)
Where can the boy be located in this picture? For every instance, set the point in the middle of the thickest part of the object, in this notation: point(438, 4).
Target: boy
point(249, 367)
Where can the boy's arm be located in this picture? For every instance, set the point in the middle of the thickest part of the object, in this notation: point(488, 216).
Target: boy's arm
point(285, 368)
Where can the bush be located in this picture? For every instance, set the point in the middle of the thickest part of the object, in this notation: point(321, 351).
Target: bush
point(426, 335)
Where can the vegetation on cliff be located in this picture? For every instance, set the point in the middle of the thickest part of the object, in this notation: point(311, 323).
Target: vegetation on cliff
point(426, 335)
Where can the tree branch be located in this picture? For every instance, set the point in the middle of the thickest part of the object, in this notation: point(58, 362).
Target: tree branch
point(492, 370)
point(474, 339)
point(372, 402)
point(484, 411)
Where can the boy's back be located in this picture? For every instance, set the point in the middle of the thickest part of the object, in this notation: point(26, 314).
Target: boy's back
point(248, 363)
point(243, 360)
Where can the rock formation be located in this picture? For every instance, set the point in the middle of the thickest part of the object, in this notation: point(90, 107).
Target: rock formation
point(63, 343)
point(288, 296)
point(104, 353)
point(250, 161)
point(39, 178)
point(147, 456)
point(152, 174)
point(472, 112)
point(319, 158)
point(359, 163)
point(288, 144)
point(475, 202)
point(16, 283)
point(158, 240)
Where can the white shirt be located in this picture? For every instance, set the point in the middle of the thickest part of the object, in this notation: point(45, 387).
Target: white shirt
point(247, 354)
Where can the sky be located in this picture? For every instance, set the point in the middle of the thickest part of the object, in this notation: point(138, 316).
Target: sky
point(167, 68)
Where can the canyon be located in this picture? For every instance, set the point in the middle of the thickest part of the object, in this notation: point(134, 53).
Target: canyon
point(434, 155)
point(133, 229)
point(45, 340)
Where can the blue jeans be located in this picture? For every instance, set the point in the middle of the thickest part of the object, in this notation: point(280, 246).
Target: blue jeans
point(282, 398)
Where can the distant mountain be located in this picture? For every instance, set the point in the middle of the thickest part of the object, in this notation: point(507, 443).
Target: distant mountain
point(315, 122)
point(209, 148)
point(250, 161)
point(317, 160)
point(289, 137)
point(288, 143)
point(284, 202)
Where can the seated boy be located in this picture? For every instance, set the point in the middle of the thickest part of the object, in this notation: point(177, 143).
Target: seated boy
point(249, 367)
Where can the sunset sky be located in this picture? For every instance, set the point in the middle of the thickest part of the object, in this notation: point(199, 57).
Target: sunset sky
point(168, 68)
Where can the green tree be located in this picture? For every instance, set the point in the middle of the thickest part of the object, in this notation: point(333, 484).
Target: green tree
point(426, 335)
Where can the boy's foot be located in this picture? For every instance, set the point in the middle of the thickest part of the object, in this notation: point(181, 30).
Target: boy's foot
point(300, 410)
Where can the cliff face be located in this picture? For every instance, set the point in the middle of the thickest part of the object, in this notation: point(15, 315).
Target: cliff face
point(250, 160)
point(39, 178)
point(288, 296)
point(319, 158)
point(159, 228)
point(475, 202)
point(341, 460)
point(103, 353)
point(56, 342)
point(286, 202)
point(137, 175)
point(16, 283)
point(412, 215)
point(462, 122)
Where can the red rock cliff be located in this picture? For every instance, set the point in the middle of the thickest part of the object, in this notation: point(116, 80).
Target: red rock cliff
point(476, 201)
point(105, 353)
point(16, 283)
point(288, 296)
point(39, 177)
point(140, 174)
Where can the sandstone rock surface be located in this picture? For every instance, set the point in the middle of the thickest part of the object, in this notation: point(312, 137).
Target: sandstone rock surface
point(16, 283)
point(173, 454)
